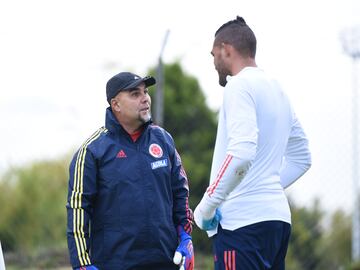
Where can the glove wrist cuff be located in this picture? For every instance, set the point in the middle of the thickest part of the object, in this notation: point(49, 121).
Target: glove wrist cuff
point(206, 207)
point(182, 234)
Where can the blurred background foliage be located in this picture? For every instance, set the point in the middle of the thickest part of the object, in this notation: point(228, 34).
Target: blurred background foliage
point(33, 197)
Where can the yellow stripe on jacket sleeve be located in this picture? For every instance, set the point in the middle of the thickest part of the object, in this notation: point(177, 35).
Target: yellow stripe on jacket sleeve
point(75, 200)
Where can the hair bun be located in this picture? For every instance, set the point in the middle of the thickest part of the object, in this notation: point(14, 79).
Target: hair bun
point(240, 20)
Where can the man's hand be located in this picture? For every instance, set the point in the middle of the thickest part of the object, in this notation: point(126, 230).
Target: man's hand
point(87, 267)
point(184, 254)
point(208, 224)
point(205, 222)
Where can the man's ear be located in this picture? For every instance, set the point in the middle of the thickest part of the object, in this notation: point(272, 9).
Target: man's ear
point(227, 49)
point(115, 106)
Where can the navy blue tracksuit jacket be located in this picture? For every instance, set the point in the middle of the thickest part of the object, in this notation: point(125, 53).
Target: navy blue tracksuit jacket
point(126, 199)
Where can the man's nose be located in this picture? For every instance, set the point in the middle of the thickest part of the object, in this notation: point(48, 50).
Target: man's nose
point(145, 98)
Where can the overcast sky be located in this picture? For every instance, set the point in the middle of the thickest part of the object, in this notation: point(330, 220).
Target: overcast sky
point(56, 57)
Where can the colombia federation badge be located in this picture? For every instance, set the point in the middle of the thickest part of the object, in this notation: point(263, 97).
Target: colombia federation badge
point(155, 150)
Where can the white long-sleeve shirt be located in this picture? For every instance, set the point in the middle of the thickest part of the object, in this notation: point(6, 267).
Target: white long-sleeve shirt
point(256, 124)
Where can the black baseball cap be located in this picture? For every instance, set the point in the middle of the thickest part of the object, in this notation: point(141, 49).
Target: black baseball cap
point(125, 81)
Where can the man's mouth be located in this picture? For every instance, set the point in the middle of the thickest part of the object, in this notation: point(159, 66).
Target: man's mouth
point(145, 109)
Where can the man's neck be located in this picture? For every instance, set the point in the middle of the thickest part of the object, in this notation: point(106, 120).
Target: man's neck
point(240, 65)
point(131, 129)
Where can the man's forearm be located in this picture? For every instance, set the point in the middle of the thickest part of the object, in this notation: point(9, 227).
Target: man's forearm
point(229, 176)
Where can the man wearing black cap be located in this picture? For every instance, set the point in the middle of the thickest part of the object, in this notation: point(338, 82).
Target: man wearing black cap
point(128, 191)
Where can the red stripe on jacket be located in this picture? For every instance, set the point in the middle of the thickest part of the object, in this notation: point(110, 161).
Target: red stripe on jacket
point(224, 166)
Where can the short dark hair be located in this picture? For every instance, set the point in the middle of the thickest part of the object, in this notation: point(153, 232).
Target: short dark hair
point(238, 34)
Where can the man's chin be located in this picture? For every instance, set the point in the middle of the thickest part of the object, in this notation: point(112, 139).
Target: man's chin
point(145, 118)
point(222, 81)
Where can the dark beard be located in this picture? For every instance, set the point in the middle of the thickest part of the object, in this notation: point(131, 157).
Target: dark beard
point(223, 73)
point(222, 79)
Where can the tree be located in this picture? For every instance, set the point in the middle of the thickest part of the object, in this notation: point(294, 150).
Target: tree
point(335, 249)
point(305, 238)
point(33, 213)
